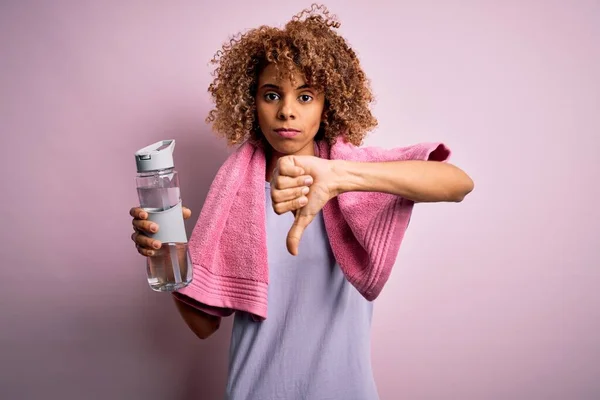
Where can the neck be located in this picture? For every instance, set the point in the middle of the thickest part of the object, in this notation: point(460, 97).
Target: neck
point(273, 156)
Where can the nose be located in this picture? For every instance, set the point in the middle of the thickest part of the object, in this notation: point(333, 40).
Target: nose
point(286, 110)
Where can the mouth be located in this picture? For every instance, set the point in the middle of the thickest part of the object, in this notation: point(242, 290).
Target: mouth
point(287, 132)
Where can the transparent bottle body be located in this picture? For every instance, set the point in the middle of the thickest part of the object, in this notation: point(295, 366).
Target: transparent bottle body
point(170, 268)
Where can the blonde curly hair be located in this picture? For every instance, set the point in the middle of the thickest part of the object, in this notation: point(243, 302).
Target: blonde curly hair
point(308, 44)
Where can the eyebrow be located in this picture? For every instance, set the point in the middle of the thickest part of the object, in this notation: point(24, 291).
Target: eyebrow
point(270, 85)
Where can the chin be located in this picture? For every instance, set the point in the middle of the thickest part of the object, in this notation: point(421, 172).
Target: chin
point(286, 146)
point(287, 149)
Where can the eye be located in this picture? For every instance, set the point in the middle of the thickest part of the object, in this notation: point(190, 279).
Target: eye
point(305, 98)
point(271, 96)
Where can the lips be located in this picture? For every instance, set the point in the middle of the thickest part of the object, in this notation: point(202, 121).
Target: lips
point(287, 133)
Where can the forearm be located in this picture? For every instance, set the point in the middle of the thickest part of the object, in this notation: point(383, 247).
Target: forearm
point(202, 324)
point(420, 181)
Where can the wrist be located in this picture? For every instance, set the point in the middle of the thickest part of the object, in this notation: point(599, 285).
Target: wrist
point(347, 177)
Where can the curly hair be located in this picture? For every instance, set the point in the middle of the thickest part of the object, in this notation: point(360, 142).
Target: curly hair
point(309, 44)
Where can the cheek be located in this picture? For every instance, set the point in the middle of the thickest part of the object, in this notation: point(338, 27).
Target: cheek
point(318, 115)
point(261, 115)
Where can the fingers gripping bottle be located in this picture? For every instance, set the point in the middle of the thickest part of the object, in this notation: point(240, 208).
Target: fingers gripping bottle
point(170, 268)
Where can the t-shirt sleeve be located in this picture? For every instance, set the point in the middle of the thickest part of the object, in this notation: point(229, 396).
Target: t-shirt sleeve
point(215, 311)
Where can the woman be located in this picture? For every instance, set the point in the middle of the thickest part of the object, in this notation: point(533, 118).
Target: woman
point(288, 92)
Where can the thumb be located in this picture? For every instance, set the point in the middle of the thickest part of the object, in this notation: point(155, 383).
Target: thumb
point(296, 231)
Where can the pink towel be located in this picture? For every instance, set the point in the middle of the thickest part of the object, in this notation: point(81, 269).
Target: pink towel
point(228, 245)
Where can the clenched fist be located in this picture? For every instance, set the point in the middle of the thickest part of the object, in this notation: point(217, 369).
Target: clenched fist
point(303, 185)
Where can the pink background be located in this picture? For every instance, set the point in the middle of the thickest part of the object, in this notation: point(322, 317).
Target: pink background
point(494, 298)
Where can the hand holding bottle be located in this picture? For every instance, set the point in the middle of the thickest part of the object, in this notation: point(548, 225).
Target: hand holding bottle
point(145, 245)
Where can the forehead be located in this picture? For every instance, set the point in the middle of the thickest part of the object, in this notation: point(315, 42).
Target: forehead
point(270, 74)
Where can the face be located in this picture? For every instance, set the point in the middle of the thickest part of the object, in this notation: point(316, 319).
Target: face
point(289, 115)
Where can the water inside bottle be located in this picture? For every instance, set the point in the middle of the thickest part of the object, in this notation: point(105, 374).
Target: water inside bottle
point(158, 198)
point(170, 268)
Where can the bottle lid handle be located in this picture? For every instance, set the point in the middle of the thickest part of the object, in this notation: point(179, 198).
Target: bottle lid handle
point(156, 156)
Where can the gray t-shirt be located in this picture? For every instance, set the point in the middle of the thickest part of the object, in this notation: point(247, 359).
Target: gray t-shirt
point(315, 342)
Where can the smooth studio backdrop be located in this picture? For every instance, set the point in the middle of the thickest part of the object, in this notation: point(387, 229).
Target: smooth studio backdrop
point(493, 298)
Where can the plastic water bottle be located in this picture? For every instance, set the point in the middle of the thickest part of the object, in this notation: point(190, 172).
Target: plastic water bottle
point(170, 268)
